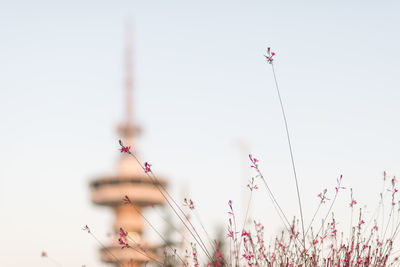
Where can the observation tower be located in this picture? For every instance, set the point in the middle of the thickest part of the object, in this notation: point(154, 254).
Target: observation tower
point(130, 180)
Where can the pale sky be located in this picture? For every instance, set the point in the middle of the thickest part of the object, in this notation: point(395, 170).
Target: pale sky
point(202, 88)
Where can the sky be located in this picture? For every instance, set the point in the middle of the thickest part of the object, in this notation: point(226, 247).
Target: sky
point(204, 98)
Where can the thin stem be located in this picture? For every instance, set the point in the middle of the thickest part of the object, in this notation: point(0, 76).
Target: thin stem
point(291, 152)
point(313, 218)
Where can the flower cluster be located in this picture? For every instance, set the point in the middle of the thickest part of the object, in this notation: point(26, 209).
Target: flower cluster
point(195, 255)
point(189, 203)
point(147, 167)
point(251, 185)
point(254, 161)
point(124, 149)
point(322, 196)
point(126, 200)
point(123, 239)
point(269, 56)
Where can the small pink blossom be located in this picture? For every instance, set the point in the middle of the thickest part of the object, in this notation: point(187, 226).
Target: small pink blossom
point(322, 196)
point(254, 161)
point(334, 231)
point(339, 182)
point(127, 200)
point(147, 167)
point(195, 256)
point(230, 233)
point(124, 149)
point(44, 254)
point(122, 233)
point(251, 185)
point(269, 55)
point(230, 204)
point(189, 203)
point(360, 223)
point(123, 243)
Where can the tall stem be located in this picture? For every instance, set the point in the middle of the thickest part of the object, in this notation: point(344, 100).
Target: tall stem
point(291, 152)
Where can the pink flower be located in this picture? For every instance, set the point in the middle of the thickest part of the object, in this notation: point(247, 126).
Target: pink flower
point(254, 161)
point(269, 55)
point(334, 232)
point(126, 200)
point(122, 233)
point(147, 167)
point(189, 203)
point(124, 149)
point(352, 203)
point(44, 254)
point(123, 243)
point(251, 185)
point(339, 182)
point(230, 233)
point(322, 196)
point(230, 204)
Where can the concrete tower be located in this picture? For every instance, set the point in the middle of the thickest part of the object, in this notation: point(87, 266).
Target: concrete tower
point(129, 180)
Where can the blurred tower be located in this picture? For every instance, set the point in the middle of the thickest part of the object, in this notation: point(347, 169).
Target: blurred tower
point(129, 180)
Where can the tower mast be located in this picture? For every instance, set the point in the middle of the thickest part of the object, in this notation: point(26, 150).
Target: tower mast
point(127, 128)
point(128, 77)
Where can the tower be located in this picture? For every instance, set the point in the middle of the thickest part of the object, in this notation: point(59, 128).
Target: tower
point(129, 180)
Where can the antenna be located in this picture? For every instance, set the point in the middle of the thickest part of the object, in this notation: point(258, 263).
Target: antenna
point(127, 128)
point(128, 76)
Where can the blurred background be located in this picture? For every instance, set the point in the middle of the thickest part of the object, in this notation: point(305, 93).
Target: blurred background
point(204, 98)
